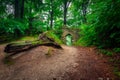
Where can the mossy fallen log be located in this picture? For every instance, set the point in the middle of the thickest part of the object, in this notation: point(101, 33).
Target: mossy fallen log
point(20, 47)
point(44, 40)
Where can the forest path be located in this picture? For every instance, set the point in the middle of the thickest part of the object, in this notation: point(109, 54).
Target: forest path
point(71, 63)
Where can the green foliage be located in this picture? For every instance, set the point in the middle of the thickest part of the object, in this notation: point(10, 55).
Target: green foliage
point(79, 42)
point(87, 35)
point(117, 50)
point(98, 20)
point(38, 27)
point(11, 28)
point(58, 33)
point(53, 36)
point(106, 52)
point(103, 27)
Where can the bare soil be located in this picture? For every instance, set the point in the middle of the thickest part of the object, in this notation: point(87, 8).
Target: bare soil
point(47, 63)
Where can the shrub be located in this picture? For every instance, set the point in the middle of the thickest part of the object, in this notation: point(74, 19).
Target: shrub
point(52, 35)
point(12, 29)
point(117, 50)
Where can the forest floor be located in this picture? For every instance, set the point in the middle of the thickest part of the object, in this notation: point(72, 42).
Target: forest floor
point(71, 63)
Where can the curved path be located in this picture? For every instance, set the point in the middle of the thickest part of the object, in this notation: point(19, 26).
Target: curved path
point(71, 63)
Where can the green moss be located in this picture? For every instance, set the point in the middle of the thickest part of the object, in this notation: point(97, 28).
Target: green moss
point(53, 36)
point(49, 53)
point(36, 42)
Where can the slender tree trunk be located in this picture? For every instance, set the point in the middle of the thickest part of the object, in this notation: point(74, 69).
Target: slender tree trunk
point(65, 12)
point(30, 18)
point(22, 9)
point(51, 15)
point(51, 20)
point(16, 11)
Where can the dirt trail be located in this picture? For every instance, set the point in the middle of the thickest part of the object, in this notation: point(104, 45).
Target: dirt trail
point(71, 63)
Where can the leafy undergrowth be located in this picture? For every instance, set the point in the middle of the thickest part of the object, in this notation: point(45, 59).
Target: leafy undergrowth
point(106, 52)
point(79, 43)
point(114, 59)
point(53, 36)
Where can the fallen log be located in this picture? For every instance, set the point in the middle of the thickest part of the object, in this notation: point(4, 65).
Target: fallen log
point(20, 47)
point(43, 40)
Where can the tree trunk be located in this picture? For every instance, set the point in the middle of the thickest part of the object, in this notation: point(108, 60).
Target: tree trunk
point(30, 19)
point(44, 40)
point(65, 12)
point(14, 48)
point(51, 15)
point(17, 10)
point(51, 20)
point(22, 9)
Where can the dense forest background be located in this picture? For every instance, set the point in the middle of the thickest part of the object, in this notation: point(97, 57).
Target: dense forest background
point(98, 21)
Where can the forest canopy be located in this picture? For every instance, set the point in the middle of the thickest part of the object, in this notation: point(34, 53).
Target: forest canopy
point(98, 21)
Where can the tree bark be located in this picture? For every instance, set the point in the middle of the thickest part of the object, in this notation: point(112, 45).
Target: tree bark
point(51, 14)
point(17, 10)
point(44, 40)
point(66, 5)
point(65, 12)
point(22, 9)
point(14, 48)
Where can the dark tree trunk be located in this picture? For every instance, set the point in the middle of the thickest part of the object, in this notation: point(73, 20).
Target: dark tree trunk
point(51, 20)
point(22, 9)
point(30, 19)
point(66, 5)
point(65, 12)
point(17, 10)
point(51, 15)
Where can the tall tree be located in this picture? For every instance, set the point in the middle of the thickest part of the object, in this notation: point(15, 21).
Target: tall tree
point(17, 9)
point(51, 14)
point(22, 9)
point(66, 4)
